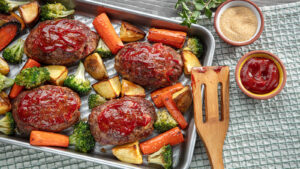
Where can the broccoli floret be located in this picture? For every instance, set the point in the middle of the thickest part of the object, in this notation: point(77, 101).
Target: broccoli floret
point(7, 124)
point(14, 54)
point(32, 77)
point(54, 11)
point(103, 50)
point(77, 82)
point(82, 137)
point(7, 6)
point(95, 100)
point(162, 157)
point(195, 46)
point(164, 121)
point(5, 82)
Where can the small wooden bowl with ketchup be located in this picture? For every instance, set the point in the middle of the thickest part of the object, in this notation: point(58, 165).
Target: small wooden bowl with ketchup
point(260, 74)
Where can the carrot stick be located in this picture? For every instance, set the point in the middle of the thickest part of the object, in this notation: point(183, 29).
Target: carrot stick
point(107, 32)
point(7, 34)
point(16, 89)
point(173, 110)
point(157, 95)
point(43, 138)
point(168, 37)
point(173, 137)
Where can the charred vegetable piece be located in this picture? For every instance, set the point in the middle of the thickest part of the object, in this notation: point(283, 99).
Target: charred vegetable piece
point(130, 33)
point(95, 67)
point(129, 153)
point(30, 12)
point(82, 137)
point(32, 77)
point(164, 121)
point(7, 124)
point(54, 11)
point(4, 68)
point(14, 54)
point(183, 99)
point(7, 6)
point(77, 81)
point(5, 82)
point(95, 100)
point(5, 105)
point(162, 157)
point(195, 46)
point(103, 50)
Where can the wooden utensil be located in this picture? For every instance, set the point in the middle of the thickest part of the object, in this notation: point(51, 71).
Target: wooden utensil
point(212, 130)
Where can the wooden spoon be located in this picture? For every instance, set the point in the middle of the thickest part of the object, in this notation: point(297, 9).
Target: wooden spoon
point(212, 130)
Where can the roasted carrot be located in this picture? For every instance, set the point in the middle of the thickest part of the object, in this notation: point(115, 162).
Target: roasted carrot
point(173, 137)
point(16, 89)
point(168, 37)
point(107, 32)
point(157, 95)
point(173, 110)
point(43, 138)
point(8, 32)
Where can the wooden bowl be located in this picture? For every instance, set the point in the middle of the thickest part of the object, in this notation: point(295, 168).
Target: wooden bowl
point(265, 54)
point(244, 3)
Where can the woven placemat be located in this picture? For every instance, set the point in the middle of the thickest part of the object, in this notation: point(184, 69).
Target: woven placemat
point(262, 134)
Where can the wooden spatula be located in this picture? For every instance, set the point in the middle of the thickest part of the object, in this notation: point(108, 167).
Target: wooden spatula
point(212, 130)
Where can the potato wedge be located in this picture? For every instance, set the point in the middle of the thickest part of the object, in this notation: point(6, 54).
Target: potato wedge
point(4, 68)
point(130, 33)
point(30, 12)
point(58, 74)
point(95, 67)
point(131, 89)
point(5, 105)
point(189, 61)
point(108, 89)
point(183, 99)
point(129, 153)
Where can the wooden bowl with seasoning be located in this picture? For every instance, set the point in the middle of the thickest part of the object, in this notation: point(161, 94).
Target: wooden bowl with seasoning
point(239, 22)
point(260, 74)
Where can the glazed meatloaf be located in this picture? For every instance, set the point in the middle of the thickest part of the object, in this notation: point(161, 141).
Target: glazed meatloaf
point(152, 66)
point(47, 108)
point(60, 42)
point(123, 120)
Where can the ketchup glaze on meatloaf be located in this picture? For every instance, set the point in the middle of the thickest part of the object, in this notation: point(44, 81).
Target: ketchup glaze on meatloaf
point(151, 66)
point(123, 120)
point(47, 108)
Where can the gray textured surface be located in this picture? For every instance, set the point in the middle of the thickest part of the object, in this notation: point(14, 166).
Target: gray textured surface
point(262, 134)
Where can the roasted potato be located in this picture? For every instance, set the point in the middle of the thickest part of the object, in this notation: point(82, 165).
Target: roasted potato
point(5, 105)
point(189, 60)
point(95, 67)
point(130, 33)
point(131, 89)
point(108, 89)
point(30, 12)
point(4, 68)
point(58, 74)
point(183, 99)
point(129, 153)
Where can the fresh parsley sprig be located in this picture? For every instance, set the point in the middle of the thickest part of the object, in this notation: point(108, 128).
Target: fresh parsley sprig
point(190, 10)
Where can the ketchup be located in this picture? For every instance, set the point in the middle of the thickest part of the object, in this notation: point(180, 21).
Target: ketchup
point(260, 75)
point(122, 117)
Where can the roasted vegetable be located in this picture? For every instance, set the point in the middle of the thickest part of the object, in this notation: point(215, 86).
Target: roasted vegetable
point(7, 124)
point(95, 67)
point(130, 33)
point(162, 157)
point(189, 60)
point(54, 11)
point(168, 37)
point(5, 105)
point(14, 54)
point(103, 50)
point(44, 138)
point(4, 68)
point(95, 100)
point(5, 82)
point(82, 137)
point(32, 77)
point(131, 89)
point(77, 81)
point(195, 46)
point(129, 153)
point(30, 12)
point(7, 6)
point(9, 28)
point(164, 121)
point(183, 99)
point(58, 74)
point(108, 89)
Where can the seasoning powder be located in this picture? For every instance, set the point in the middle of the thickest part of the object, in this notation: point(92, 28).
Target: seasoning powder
point(238, 23)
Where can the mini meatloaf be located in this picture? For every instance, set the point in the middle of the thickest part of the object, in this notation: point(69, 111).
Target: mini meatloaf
point(152, 66)
point(47, 108)
point(123, 120)
point(60, 42)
